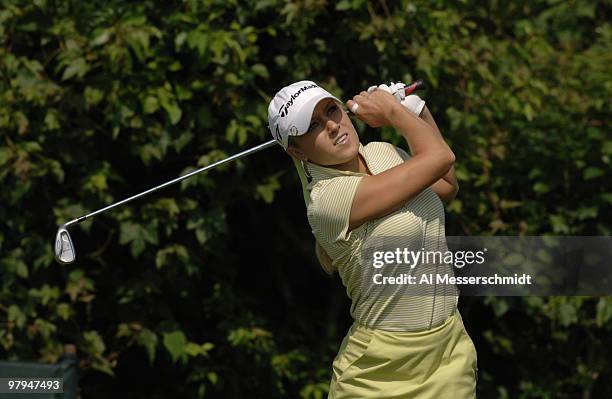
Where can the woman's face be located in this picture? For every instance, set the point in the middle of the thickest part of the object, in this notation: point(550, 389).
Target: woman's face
point(331, 139)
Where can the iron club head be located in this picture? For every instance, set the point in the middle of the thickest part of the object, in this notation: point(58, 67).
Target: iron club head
point(64, 250)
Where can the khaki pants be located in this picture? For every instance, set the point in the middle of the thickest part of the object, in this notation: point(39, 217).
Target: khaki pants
point(438, 363)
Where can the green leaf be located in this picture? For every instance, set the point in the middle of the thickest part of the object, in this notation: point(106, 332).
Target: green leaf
point(606, 197)
point(136, 247)
point(559, 224)
point(592, 172)
point(21, 269)
point(193, 349)
point(174, 112)
point(166, 99)
point(462, 174)
point(175, 343)
point(528, 112)
point(196, 40)
point(261, 70)
point(180, 39)
point(98, 182)
point(281, 60)
point(101, 38)
point(604, 311)
point(137, 236)
point(64, 311)
point(5, 155)
point(212, 377)
point(48, 294)
point(267, 189)
point(343, 5)
point(44, 328)
point(567, 314)
point(52, 119)
point(148, 340)
point(541, 188)
point(587, 212)
point(162, 255)
point(129, 232)
point(93, 96)
point(17, 316)
point(182, 141)
point(150, 234)
point(77, 68)
point(94, 342)
point(508, 204)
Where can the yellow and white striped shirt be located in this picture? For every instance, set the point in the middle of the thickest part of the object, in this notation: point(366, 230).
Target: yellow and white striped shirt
point(418, 224)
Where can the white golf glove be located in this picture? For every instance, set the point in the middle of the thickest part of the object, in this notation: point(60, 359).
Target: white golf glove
point(412, 102)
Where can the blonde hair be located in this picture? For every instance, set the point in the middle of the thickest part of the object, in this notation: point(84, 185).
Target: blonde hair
point(324, 260)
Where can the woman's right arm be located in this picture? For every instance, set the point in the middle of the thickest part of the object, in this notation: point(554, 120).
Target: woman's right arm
point(384, 193)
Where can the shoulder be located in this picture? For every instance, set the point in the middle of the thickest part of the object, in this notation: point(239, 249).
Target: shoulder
point(330, 207)
point(332, 192)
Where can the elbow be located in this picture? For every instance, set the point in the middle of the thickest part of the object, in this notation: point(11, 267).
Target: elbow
point(453, 193)
point(449, 195)
point(446, 158)
point(450, 158)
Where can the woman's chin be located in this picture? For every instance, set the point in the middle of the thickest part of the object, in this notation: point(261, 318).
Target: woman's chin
point(351, 150)
point(340, 154)
point(346, 155)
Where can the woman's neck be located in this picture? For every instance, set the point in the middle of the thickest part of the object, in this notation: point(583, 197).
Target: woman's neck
point(357, 165)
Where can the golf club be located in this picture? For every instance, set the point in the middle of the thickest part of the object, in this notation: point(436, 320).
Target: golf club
point(64, 248)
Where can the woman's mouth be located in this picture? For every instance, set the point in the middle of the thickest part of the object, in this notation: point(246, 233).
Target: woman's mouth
point(341, 139)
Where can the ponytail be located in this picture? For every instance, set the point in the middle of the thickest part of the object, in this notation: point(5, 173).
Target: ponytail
point(324, 259)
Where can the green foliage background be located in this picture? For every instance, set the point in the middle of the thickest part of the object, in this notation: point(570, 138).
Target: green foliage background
point(211, 289)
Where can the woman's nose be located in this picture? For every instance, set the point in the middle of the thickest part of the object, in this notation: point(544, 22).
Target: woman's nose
point(332, 126)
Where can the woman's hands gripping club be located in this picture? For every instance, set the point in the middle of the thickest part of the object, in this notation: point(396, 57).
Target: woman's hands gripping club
point(373, 108)
point(378, 106)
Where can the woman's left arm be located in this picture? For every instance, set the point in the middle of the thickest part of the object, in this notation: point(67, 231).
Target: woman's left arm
point(447, 187)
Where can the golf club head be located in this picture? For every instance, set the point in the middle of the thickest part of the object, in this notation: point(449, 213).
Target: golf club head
point(64, 250)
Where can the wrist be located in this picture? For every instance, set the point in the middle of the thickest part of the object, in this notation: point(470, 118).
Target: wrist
point(395, 113)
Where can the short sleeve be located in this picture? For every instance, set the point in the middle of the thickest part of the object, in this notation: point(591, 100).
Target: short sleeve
point(403, 154)
point(329, 211)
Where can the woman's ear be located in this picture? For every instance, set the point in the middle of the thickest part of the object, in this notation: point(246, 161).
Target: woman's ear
point(297, 153)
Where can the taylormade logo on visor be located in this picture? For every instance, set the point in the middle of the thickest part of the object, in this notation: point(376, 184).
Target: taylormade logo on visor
point(285, 108)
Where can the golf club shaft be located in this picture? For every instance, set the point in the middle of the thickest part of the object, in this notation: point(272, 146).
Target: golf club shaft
point(178, 179)
point(408, 89)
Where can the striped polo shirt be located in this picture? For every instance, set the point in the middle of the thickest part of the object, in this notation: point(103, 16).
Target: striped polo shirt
point(417, 226)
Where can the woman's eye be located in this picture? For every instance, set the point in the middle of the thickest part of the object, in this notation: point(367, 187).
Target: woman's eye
point(331, 109)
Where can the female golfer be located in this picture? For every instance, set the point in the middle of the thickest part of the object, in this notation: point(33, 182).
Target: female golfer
point(407, 340)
